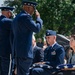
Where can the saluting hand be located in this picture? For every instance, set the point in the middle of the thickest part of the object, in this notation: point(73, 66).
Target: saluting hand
point(37, 14)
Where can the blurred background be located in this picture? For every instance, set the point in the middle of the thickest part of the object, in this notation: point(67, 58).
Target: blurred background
point(58, 15)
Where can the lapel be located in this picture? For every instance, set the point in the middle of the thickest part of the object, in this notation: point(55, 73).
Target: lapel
point(53, 50)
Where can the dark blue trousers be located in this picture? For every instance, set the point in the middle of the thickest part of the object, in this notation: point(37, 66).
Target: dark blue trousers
point(0, 65)
point(23, 65)
point(5, 65)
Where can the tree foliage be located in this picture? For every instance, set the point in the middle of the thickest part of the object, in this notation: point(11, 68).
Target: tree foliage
point(56, 14)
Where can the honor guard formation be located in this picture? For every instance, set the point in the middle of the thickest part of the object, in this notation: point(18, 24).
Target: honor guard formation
point(22, 54)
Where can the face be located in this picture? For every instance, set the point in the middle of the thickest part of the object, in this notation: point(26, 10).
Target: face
point(39, 40)
point(29, 9)
point(9, 14)
point(33, 42)
point(72, 42)
point(50, 39)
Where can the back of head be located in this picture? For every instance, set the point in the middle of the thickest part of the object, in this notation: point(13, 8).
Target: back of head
point(39, 40)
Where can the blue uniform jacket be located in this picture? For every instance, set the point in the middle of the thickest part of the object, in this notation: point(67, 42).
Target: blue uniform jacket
point(23, 28)
point(5, 28)
point(55, 55)
point(38, 54)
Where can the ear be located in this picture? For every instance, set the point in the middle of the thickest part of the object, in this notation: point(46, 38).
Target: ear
point(54, 37)
point(9, 13)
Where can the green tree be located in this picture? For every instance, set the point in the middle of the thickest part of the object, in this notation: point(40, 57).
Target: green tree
point(56, 14)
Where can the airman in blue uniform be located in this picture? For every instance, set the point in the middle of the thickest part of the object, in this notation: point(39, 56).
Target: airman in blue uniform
point(23, 28)
point(38, 53)
point(54, 54)
point(5, 48)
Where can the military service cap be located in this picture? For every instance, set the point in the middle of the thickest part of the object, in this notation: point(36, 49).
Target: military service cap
point(30, 3)
point(6, 8)
point(50, 32)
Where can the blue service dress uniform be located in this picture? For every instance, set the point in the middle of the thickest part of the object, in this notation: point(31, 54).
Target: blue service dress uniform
point(55, 56)
point(38, 54)
point(23, 28)
point(5, 48)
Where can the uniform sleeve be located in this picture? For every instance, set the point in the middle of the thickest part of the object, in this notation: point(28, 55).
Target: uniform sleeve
point(9, 23)
point(30, 24)
point(61, 55)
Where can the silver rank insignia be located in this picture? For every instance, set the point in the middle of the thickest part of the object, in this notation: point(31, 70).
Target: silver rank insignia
point(47, 33)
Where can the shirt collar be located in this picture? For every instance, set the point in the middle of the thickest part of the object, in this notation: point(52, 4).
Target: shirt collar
point(53, 44)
